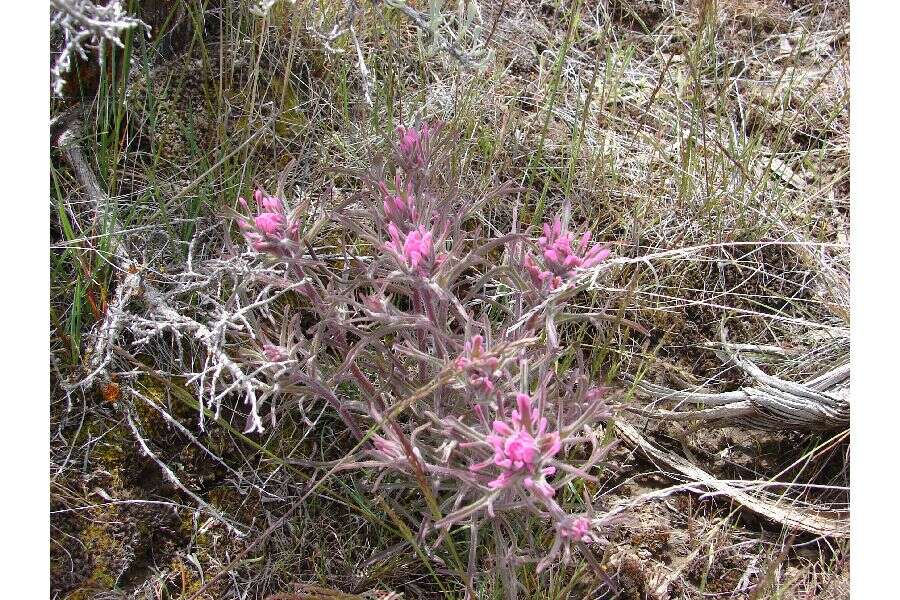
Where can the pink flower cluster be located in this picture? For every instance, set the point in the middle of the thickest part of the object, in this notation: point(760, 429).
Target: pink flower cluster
point(270, 228)
point(577, 529)
point(274, 353)
point(569, 529)
point(560, 258)
point(375, 303)
point(388, 449)
point(414, 249)
point(399, 208)
point(479, 367)
point(412, 245)
point(414, 145)
point(522, 448)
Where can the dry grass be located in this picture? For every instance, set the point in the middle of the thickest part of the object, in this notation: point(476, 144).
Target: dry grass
point(718, 131)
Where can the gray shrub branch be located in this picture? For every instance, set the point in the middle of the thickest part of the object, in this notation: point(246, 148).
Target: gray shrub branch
point(86, 26)
point(820, 404)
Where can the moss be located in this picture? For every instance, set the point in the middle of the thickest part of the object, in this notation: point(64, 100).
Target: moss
point(85, 592)
point(186, 583)
point(292, 121)
point(152, 423)
point(108, 548)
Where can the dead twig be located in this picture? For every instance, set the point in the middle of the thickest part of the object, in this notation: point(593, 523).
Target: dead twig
point(170, 475)
point(821, 404)
point(828, 523)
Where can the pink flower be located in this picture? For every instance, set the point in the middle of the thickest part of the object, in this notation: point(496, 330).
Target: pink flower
point(576, 529)
point(541, 278)
point(515, 449)
point(399, 208)
point(560, 259)
point(270, 224)
point(414, 249)
point(414, 145)
point(479, 367)
point(270, 228)
point(522, 448)
point(274, 353)
point(388, 449)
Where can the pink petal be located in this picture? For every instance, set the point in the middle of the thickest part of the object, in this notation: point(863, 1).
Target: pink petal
point(270, 223)
point(272, 204)
point(555, 444)
point(502, 428)
point(557, 226)
point(572, 262)
point(585, 240)
point(524, 403)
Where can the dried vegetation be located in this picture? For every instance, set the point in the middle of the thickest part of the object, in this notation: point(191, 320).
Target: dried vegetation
point(707, 141)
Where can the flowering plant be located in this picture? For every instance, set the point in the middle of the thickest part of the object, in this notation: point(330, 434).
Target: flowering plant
point(271, 230)
point(455, 391)
point(561, 260)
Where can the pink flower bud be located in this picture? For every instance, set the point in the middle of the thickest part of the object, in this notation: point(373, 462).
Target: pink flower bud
point(270, 227)
point(414, 146)
point(520, 452)
point(270, 224)
point(274, 353)
point(478, 366)
point(576, 530)
point(414, 249)
point(560, 259)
